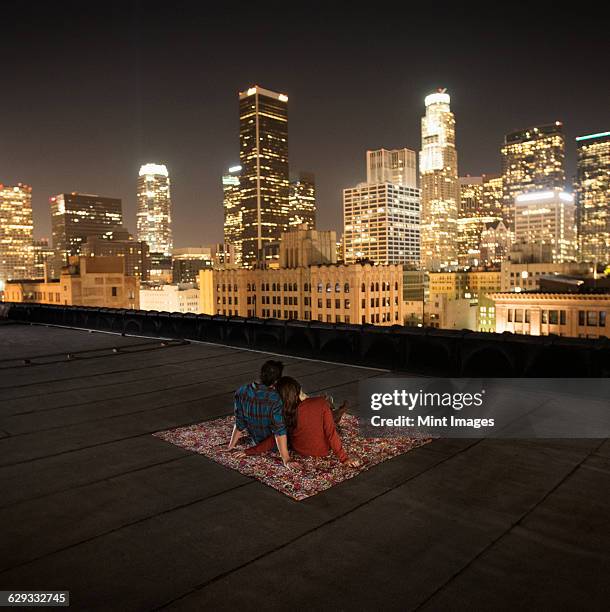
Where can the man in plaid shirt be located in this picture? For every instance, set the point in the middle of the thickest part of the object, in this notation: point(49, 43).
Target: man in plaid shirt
point(258, 411)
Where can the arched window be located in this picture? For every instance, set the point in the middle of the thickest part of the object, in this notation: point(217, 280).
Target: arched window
point(346, 288)
point(285, 286)
point(319, 287)
point(328, 288)
point(396, 286)
point(337, 287)
point(372, 286)
point(376, 286)
point(248, 287)
point(235, 287)
point(363, 288)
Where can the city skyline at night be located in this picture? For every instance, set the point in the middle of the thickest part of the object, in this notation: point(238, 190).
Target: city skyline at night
point(339, 109)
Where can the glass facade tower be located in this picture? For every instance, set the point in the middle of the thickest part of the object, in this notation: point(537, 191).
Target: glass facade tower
point(16, 232)
point(593, 196)
point(440, 191)
point(75, 217)
point(232, 210)
point(532, 160)
point(154, 216)
point(264, 178)
point(303, 201)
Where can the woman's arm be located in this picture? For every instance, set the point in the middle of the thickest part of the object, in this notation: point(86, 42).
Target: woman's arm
point(330, 431)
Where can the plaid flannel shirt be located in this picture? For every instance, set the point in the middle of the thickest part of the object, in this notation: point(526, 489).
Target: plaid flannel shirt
point(258, 409)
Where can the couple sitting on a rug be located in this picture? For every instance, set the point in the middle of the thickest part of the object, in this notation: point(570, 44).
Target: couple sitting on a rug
point(275, 412)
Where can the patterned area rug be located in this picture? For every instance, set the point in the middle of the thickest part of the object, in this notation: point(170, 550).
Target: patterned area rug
point(210, 438)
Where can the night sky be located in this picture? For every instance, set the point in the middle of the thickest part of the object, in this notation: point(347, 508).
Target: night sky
point(91, 90)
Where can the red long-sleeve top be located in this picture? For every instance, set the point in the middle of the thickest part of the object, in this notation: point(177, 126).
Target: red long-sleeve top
point(315, 434)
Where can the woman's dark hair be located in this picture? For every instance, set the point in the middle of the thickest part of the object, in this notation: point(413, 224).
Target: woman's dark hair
point(271, 371)
point(290, 392)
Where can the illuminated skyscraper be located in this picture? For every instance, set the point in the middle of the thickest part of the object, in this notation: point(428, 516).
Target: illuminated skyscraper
point(493, 186)
point(264, 179)
point(303, 201)
point(43, 258)
point(471, 196)
point(545, 227)
point(154, 216)
point(439, 184)
point(233, 211)
point(75, 217)
point(476, 213)
point(593, 196)
point(16, 232)
point(381, 219)
point(532, 160)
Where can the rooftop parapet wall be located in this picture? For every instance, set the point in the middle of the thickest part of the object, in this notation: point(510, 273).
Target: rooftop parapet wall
point(416, 350)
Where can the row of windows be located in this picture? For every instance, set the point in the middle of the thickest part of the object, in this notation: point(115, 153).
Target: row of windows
point(277, 299)
point(591, 318)
point(229, 300)
point(383, 286)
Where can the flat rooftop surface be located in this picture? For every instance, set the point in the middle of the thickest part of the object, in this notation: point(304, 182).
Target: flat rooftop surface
point(92, 503)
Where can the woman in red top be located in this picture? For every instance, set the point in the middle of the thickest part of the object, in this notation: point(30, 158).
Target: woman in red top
point(310, 424)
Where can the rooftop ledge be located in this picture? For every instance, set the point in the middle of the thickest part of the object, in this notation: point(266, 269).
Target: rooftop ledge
point(426, 351)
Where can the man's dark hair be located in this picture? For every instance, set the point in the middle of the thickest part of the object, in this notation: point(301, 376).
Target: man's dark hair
point(271, 372)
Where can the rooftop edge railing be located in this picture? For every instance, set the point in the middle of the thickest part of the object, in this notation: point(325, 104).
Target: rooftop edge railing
point(425, 351)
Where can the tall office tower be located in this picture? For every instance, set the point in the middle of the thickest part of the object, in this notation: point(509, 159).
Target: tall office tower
point(43, 259)
point(396, 166)
point(381, 221)
point(475, 214)
point(493, 186)
point(593, 196)
point(545, 227)
point(75, 217)
point(302, 200)
point(440, 193)
point(532, 160)
point(264, 179)
point(154, 216)
point(16, 231)
point(233, 210)
point(471, 196)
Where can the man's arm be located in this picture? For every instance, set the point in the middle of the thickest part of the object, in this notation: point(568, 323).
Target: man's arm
point(239, 429)
point(235, 436)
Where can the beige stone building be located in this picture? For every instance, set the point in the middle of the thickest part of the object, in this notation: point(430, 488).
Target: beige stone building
point(304, 247)
point(182, 297)
point(330, 293)
point(579, 315)
point(86, 281)
point(526, 276)
point(468, 285)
